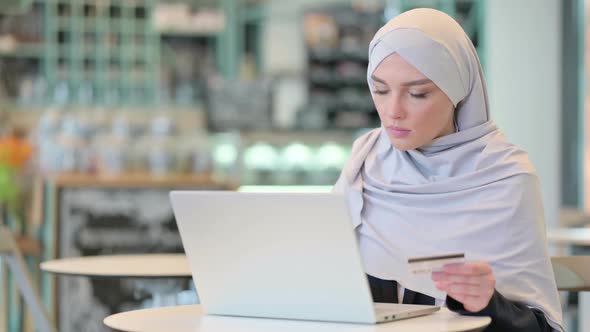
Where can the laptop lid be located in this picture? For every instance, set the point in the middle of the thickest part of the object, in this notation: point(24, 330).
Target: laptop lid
point(278, 255)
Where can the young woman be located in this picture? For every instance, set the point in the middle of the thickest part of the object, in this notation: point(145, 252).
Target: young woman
point(438, 177)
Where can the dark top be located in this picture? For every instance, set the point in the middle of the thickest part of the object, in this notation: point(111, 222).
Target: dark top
point(507, 315)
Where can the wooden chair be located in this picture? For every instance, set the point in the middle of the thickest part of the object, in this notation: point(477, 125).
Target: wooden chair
point(10, 254)
point(573, 217)
point(572, 273)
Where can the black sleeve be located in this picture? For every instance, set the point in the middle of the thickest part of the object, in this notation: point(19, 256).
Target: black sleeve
point(507, 315)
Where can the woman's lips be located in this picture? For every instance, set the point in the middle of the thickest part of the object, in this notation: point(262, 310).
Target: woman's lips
point(399, 132)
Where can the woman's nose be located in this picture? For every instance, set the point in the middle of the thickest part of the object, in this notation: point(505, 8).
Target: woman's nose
point(396, 110)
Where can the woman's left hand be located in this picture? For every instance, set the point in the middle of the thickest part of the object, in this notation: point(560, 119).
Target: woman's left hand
point(472, 284)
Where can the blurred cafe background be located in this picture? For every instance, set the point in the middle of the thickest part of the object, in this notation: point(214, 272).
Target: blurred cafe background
point(107, 105)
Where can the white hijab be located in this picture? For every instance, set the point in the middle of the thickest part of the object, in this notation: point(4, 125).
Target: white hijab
point(470, 191)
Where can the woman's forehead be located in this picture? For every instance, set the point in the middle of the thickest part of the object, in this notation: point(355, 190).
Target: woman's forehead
point(396, 68)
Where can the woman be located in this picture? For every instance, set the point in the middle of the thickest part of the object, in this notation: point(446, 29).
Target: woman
point(438, 177)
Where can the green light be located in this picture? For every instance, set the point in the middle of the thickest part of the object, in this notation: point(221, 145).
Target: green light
point(331, 155)
point(225, 154)
point(296, 155)
point(261, 156)
point(285, 189)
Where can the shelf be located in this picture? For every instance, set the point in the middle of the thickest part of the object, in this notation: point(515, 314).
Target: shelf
point(23, 51)
point(311, 137)
point(111, 3)
point(286, 188)
point(337, 55)
point(338, 81)
point(188, 33)
point(134, 180)
point(113, 25)
point(84, 39)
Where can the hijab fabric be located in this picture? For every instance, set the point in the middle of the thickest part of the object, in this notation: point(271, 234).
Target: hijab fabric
point(470, 192)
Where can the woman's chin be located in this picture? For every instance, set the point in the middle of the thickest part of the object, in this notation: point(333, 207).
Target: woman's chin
point(403, 146)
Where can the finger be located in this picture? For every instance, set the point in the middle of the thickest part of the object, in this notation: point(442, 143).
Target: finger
point(458, 278)
point(468, 268)
point(470, 303)
point(463, 298)
point(436, 276)
point(466, 289)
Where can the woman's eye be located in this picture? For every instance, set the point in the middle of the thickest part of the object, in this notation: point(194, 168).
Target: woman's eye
point(418, 95)
point(380, 92)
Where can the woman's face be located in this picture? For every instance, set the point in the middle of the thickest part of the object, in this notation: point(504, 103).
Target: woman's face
point(412, 109)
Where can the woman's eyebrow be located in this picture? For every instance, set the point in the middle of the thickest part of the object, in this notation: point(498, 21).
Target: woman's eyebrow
point(410, 83)
point(417, 82)
point(377, 79)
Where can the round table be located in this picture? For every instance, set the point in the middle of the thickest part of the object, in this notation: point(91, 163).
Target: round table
point(154, 272)
point(122, 266)
point(190, 318)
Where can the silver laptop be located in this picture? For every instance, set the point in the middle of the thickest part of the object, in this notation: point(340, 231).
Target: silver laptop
point(278, 255)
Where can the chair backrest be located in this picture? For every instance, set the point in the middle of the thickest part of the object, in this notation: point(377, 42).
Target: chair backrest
point(6, 240)
point(572, 273)
point(573, 217)
point(13, 258)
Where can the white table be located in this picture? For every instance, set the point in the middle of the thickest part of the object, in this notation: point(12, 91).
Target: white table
point(569, 236)
point(145, 267)
point(191, 319)
point(122, 266)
